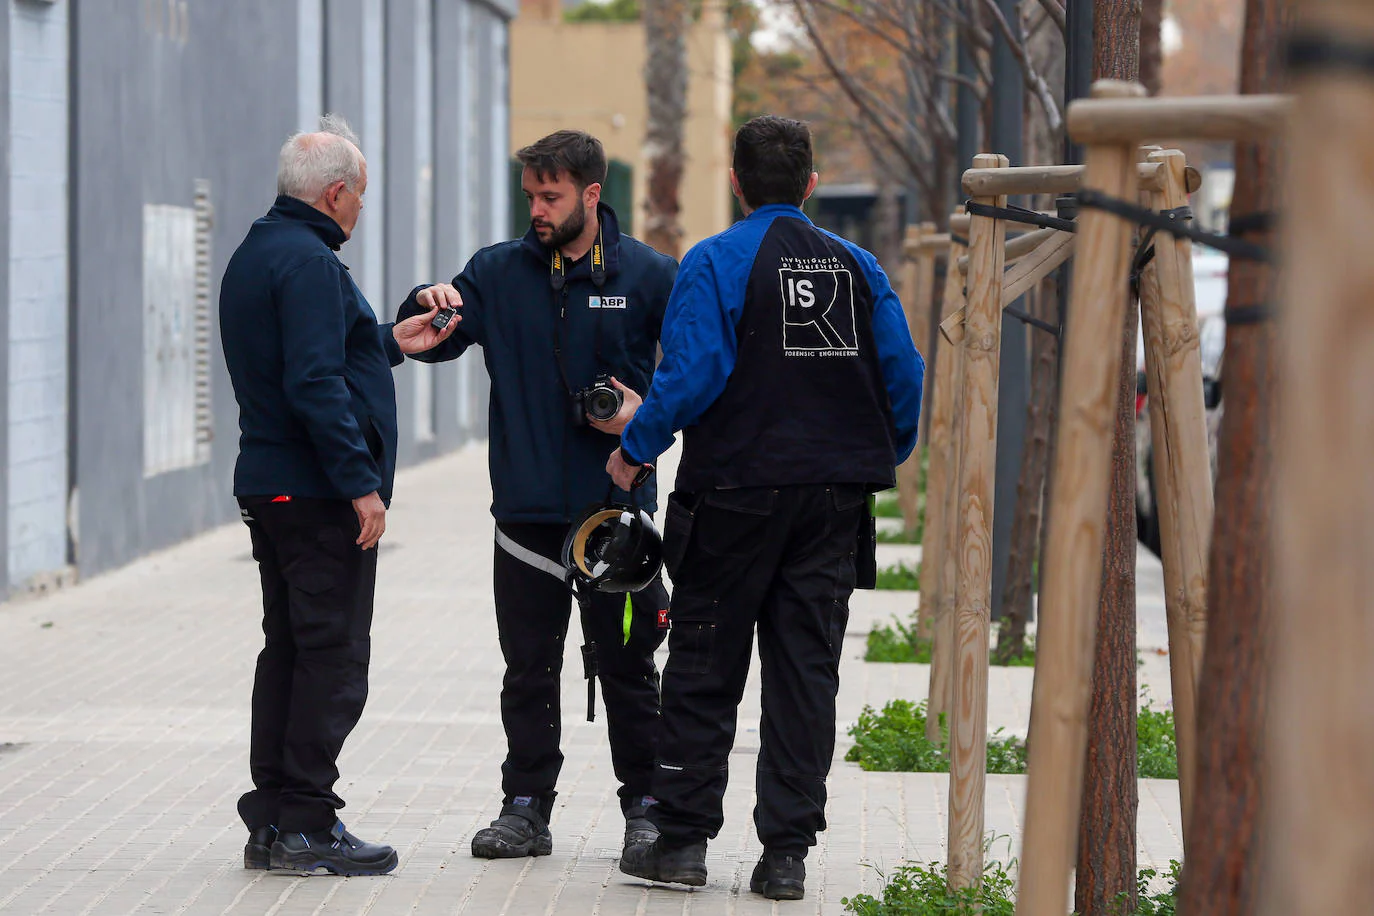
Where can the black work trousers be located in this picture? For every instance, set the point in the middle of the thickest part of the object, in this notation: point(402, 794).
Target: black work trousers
point(533, 608)
point(780, 560)
point(311, 680)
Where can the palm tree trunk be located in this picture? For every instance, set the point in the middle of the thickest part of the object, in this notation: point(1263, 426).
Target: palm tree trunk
point(665, 74)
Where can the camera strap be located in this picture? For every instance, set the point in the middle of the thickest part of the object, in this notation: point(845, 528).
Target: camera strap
point(558, 280)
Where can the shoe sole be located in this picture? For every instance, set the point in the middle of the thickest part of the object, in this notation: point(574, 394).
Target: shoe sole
point(499, 849)
point(692, 877)
point(778, 890)
point(307, 865)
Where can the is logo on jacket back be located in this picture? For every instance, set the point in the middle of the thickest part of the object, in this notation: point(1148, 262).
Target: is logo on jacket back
point(817, 297)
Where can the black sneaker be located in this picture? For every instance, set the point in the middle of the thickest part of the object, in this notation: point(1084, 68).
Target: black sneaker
point(520, 830)
point(666, 864)
point(639, 830)
point(333, 851)
point(779, 876)
point(258, 851)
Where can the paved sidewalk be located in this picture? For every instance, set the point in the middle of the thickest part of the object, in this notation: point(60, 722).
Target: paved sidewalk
point(124, 729)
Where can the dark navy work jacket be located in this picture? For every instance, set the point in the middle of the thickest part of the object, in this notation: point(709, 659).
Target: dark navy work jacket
point(310, 365)
point(544, 468)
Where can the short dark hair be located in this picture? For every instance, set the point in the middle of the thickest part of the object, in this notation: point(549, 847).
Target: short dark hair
point(575, 153)
point(773, 161)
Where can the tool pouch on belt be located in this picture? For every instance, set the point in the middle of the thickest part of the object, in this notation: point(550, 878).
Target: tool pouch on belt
point(677, 529)
point(866, 548)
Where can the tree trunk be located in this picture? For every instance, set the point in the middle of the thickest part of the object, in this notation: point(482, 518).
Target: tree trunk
point(1045, 45)
point(1107, 824)
point(1223, 861)
point(1025, 532)
point(1151, 51)
point(666, 23)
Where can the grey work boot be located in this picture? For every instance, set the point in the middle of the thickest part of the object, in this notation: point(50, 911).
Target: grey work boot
point(667, 864)
point(639, 830)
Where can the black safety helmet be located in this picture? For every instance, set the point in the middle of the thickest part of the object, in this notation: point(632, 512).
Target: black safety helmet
point(613, 549)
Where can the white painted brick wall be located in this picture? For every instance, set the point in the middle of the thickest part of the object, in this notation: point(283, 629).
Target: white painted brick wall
point(37, 330)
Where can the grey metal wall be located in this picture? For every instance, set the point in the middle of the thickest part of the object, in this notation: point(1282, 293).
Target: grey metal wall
point(168, 92)
point(36, 455)
point(4, 268)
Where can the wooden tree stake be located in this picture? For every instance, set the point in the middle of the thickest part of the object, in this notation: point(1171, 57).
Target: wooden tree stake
point(938, 553)
point(1082, 469)
point(977, 469)
point(1182, 466)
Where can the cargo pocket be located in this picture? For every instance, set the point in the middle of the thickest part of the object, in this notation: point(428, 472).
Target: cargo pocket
point(731, 523)
point(692, 638)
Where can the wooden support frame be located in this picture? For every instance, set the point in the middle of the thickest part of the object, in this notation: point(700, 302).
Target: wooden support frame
point(973, 583)
point(1182, 474)
point(1056, 179)
point(918, 281)
point(1111, 125)
point(938, 545)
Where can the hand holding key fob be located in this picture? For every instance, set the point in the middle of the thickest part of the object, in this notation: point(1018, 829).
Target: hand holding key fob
point(441, 320)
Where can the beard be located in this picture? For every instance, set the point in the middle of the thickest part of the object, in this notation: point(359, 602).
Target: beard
point(568, 230)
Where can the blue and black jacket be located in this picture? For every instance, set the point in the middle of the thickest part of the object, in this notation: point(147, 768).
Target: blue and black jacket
point(786, 360)
point(310, 365)
point(542, 343)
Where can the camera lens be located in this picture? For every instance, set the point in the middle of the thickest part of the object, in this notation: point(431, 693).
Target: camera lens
point(603, 403)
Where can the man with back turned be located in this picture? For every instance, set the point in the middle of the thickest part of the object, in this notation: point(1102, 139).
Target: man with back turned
point(788, 364)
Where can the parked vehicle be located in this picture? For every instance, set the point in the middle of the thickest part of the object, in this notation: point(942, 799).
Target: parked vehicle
point(1209, 286)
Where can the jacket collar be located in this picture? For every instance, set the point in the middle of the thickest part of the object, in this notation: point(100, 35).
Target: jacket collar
point(610, 236)
point(289, 209)
point(768, 211)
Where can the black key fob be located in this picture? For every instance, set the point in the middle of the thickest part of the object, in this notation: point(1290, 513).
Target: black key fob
point(441, 320)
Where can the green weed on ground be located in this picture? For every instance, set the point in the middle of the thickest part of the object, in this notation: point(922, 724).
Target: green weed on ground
point(1156, 744)
point(900, 577)
point(894, 740)
point(922, 889)
point(899, 643)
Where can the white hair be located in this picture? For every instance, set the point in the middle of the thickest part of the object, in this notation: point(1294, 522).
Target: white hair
point(312, 161)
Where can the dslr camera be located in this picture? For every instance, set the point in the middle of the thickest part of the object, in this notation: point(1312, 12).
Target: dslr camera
point(600, 400)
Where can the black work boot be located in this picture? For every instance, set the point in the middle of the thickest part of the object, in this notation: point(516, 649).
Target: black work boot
point(639, 830)
point(779, 876)
point(333, 851)
point(667, 864)
point(519, 830)
point(258, 851)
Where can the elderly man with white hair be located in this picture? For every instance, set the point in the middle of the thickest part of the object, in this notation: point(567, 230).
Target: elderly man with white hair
point(311, 370)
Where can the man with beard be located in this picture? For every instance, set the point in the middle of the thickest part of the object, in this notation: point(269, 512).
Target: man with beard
point(571, 301)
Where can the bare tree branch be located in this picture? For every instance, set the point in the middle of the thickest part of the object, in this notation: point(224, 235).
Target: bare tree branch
point(1033, 79)
point(1055, 9)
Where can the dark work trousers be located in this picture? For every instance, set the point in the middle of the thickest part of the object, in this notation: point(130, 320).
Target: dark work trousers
point(782, 560)
point(311, 680)
point(533, 607)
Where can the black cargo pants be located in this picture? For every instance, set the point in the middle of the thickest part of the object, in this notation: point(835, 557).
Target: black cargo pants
point(311, 680)
point(782, 560)
point(533, 607)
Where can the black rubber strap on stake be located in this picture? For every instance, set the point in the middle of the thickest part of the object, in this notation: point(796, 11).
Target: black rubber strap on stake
point(958, 239)
point(1248, 314)
point(1312, 53)
point(1026, 318)
point(1020, 215)
point(1259, 221)
point(1172, 222)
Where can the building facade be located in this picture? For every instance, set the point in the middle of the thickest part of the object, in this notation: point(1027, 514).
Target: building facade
point(590, 76)
point(140, 141)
